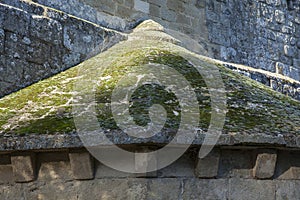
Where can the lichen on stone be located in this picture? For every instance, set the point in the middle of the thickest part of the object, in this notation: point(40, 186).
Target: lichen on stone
point(46, 107)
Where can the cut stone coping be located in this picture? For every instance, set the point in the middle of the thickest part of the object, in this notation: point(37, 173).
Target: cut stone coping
point(69, 141)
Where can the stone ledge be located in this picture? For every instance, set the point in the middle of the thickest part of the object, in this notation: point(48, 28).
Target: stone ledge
point(222, 163)
point(72, 140)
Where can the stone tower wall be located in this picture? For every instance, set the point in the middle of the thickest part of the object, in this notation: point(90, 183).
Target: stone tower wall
point(37, 41)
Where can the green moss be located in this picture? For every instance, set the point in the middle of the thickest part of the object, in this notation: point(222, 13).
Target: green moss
point(45, 106)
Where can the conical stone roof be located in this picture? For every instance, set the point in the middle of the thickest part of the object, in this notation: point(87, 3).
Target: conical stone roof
point(253, 113)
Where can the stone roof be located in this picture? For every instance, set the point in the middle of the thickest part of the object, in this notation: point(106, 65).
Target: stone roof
point(41, 115)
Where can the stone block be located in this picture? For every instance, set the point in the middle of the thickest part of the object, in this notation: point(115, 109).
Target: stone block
point(79, 38)
point(205, 189)
point(208, 167)
point(16, 21)
point(265, 165)
point(46, 29)
point(154, 10)
point(54, 167)
point(82, 166)
point(6, 174)
point(168, 15)
point(167, 188)
point(249, 189)
point(24, 167)
point(124, 12)
point(287, 190)
point(177, 6)
point(112, 189)
point(183, 19)
point(142, 6)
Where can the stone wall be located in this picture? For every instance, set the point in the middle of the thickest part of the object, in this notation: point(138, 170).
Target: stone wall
point(262, 34)
point(37, 42)
point(227, 173)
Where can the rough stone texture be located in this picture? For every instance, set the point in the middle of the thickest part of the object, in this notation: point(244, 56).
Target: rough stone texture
point(255, 113)
point(82, 166)
point(55, 180)
point(53, 167)
point(287, 190)
point(255, 33)
point(37, 42)
point(205, 189)
point(208, 167)
point(251, 189)
point(6, 174)
point(261, 35)
point(265, 165)
point(24, 168)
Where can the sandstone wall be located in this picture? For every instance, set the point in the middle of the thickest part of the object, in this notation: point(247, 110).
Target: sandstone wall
point(263, 34)
point(233, 173)
point(37, 42)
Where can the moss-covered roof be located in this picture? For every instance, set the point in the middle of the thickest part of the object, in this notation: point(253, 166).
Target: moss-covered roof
point(46, 107)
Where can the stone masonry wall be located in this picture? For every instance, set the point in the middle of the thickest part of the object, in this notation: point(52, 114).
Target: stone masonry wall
point(227, 173)
point(37, 42)
point(35, 39)
point(263, 34)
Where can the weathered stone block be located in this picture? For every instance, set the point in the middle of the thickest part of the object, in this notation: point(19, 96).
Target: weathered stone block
point(205, 189)
point(154, 10)
point(82, 166)
point(16, 21)
point(46, 29)
point(168, 15)
point(287, 190)
point(142, 6)
point(113, 189)
point(183, 19)
point(265, 165)
point(175, 5)
point(208, 167)
point(251, 189)
point(6, 174)
point(54, 166)
point(167, 188)
point(24, 167)
point(79, 38)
